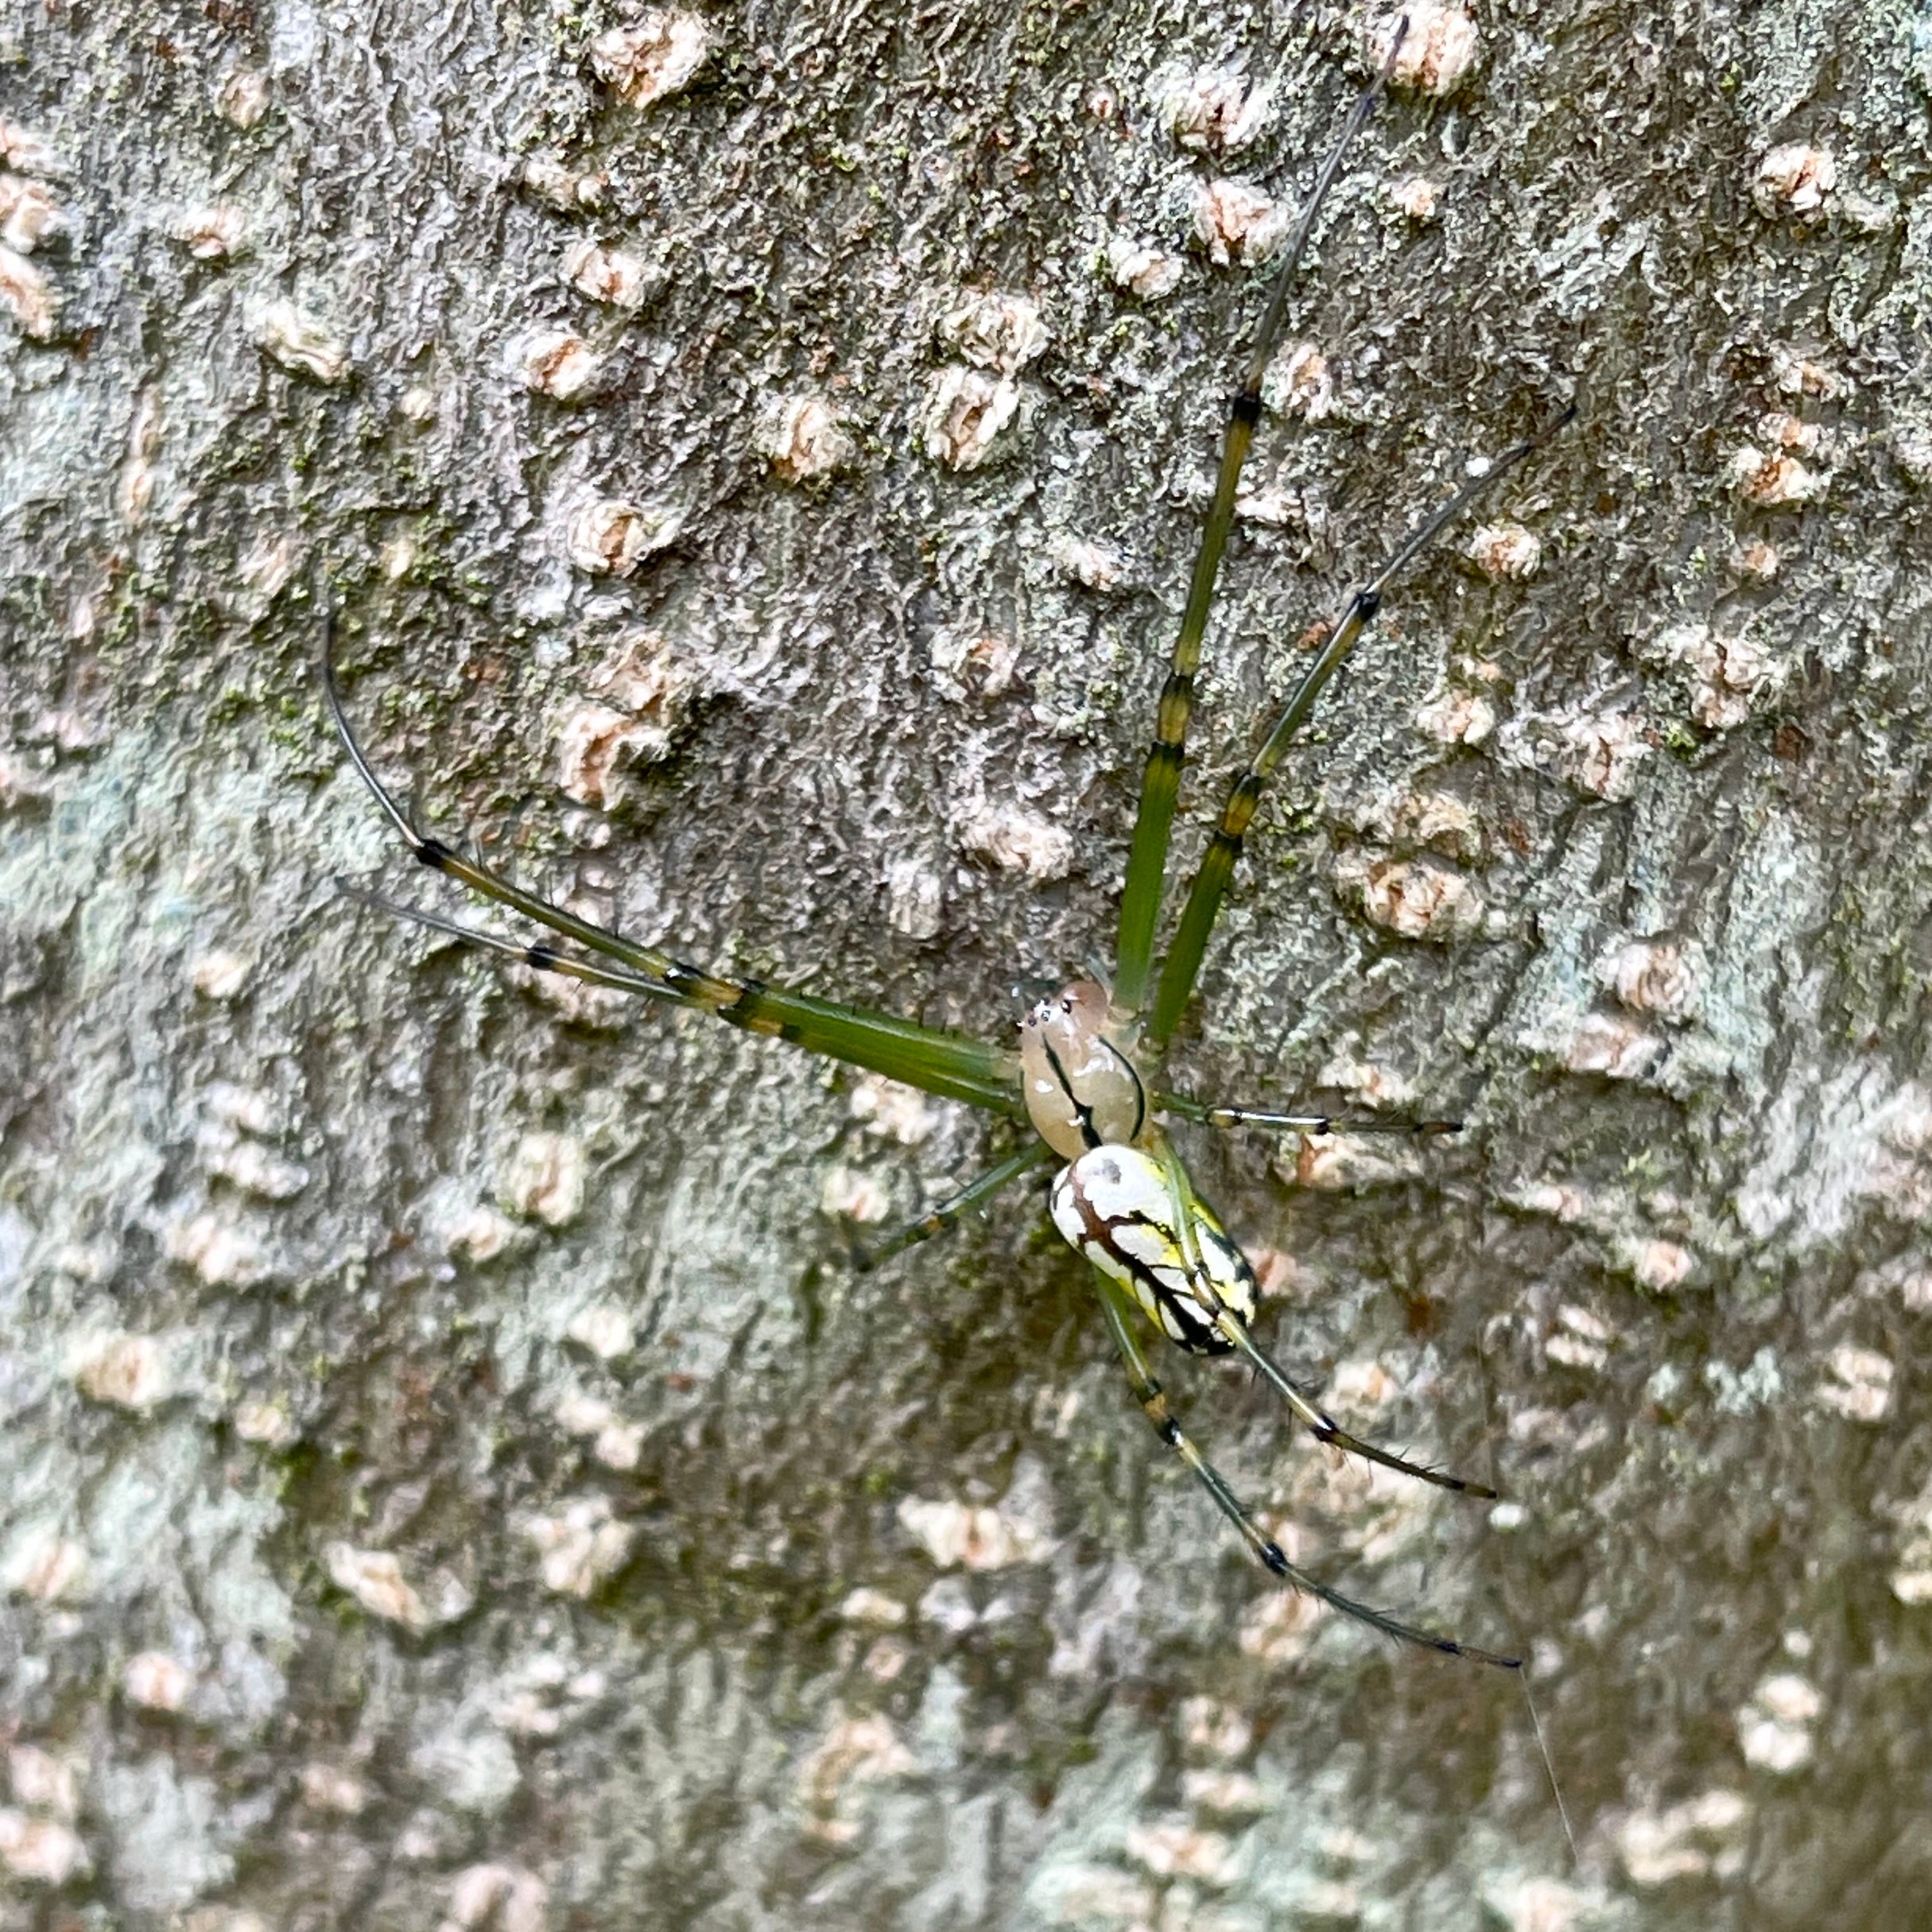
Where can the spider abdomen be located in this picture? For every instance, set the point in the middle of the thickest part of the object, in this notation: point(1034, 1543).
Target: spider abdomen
point(1118, 1207)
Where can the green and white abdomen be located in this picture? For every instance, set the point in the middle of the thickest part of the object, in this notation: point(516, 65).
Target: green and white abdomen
point(1116, 1205)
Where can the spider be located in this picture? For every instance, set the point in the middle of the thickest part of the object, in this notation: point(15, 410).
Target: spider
point(1084, 1074)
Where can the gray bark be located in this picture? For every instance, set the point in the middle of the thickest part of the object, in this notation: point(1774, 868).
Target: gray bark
point(451, 1474)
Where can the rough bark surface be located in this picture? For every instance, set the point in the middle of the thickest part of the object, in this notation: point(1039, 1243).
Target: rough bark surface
point(451, 1474)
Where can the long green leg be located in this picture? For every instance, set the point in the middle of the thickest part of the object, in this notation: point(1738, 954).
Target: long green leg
point(1140, 903)
point(1217, 862)
point(1118, 1308)
point(544, 958)
point(943, 1063)
point(975, 1194)
point(568, 967)
point(1234, 1332)
point(1269, 1122)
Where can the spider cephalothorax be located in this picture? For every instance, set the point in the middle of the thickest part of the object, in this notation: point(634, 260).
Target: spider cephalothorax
point(1082, 1087)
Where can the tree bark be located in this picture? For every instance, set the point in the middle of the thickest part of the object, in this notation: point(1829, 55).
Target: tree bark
point(453, 1474)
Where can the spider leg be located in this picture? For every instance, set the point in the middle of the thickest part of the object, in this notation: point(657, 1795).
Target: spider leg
point(1203, 900)
point(1234, 1331)
point(1204, 1115)
point(948, 1064)
point(1140, 903)
point(1323, 1427)
point(1115, 1305)
point(543, 958)
point(936, 1220)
